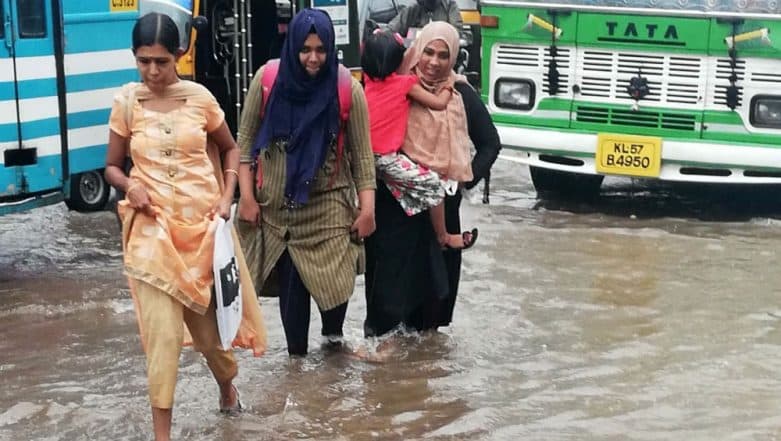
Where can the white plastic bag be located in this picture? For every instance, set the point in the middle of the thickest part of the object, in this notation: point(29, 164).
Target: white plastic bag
point(226, 284)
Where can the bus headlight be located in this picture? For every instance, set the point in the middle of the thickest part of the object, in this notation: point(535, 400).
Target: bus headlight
point(766, 111)
point(514, 94)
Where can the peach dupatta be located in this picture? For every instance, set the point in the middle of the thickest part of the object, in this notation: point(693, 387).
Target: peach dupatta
point(188, 245)
point(252, 330)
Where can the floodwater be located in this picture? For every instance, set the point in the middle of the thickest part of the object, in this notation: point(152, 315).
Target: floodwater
point(647, 314)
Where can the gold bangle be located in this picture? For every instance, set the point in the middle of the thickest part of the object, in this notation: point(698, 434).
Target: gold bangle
point(230, 170)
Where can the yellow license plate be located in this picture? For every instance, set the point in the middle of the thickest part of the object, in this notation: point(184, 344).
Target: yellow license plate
point(123, 5)
point(470, 17)
point(629, 155)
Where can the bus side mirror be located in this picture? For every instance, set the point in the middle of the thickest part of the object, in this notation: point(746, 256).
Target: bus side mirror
point(200, 23)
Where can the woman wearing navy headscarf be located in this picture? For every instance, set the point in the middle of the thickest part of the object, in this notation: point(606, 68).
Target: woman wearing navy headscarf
point(304, 159)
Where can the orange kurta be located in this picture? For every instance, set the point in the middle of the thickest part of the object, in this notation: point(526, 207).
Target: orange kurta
point(173, 251)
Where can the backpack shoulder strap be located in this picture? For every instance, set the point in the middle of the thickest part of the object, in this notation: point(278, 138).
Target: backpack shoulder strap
point(270, 71)
point(345, 91)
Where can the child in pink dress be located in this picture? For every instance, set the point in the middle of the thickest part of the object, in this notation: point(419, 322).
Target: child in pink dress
point(388, 95)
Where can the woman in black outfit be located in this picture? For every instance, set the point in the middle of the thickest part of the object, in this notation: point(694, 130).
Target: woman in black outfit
point(410, 280)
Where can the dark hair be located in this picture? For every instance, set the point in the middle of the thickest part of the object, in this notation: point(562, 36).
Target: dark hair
point(382, 55)
point(155, 28)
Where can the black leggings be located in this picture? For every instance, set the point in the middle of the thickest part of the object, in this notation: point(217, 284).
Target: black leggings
point(294, 307)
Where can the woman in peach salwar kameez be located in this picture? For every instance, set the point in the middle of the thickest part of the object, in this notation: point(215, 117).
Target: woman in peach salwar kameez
point(175, 191)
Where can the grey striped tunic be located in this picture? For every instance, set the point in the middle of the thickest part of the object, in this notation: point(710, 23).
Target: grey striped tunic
point(317, 234)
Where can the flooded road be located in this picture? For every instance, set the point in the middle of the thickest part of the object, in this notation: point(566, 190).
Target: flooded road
point(647, 314)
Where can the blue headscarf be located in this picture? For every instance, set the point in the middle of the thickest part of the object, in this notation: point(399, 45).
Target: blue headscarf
point(303, 109)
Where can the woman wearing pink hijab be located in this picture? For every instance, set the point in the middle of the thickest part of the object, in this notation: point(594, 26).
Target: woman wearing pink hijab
point(410, 280)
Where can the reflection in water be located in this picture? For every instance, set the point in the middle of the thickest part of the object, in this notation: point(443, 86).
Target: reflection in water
point(46, 238)
point(625, 267)
point(326, 395)
point(641, 315)
point(626, 273)
point(624, 197)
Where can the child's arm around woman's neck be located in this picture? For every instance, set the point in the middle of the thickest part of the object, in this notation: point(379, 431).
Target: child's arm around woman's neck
point(428, 99)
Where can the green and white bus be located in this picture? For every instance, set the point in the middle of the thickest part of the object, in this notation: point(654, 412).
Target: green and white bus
point(676, 90)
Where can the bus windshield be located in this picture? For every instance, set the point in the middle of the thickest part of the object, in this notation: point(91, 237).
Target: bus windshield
point(720, 6)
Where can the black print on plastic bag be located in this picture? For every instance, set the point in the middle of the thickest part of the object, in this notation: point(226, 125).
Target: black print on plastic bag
point(229, 281)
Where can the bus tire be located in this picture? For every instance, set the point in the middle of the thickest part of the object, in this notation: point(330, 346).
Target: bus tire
point(89, 192)
point(560, 183)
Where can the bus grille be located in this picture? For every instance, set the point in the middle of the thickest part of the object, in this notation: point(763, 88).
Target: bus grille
point(672, 79)
point(535, 59)
point(675, 81)
point(723, 72)
point(640, 118)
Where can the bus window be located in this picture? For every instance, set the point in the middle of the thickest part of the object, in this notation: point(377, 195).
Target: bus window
point(32, 23)
point(2, 15)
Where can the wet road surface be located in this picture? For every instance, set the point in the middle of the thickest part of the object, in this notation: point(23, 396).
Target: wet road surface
point(650, 313)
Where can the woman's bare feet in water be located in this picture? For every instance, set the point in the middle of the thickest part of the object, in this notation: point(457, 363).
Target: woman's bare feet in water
point(383, 353)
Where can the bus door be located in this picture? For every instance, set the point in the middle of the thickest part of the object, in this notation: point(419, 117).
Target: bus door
point(30, 135)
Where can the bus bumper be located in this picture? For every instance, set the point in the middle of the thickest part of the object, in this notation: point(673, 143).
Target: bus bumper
point(685, 161)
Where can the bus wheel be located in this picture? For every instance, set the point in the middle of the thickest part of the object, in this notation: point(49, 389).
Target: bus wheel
point(89, 191)
point(559, 183)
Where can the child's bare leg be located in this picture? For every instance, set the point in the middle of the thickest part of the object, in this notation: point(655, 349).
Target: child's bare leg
point(437, 213)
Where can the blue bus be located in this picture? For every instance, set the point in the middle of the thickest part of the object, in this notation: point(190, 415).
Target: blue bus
point(61, 62)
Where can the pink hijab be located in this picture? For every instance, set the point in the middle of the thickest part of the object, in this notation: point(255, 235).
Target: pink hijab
point(438, 139)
